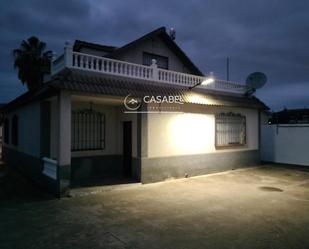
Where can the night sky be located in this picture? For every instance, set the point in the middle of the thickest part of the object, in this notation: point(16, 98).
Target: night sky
point(263, 35)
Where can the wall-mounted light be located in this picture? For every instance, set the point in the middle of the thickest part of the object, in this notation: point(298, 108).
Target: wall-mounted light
point(208, 81)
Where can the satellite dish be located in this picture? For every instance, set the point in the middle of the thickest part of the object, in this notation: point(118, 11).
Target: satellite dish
point(255, 81)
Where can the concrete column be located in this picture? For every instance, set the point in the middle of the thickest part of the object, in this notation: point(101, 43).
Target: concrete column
point(143, 129)
point(64, 141)
point(259, 134)
point(155, 71)
point(68, 54)
point(143, 140)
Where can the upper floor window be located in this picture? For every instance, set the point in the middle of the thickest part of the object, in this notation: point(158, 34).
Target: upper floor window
point(162, 61)
point(88, 130)
point(230, 130)
point(6, 131)
point(15, 130)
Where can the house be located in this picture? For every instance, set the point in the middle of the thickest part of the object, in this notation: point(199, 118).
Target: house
point(143, 111)
point(291, 116)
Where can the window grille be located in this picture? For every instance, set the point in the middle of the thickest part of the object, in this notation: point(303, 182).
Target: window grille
point(15, 130)
point(162, 61)
point(230, 130)
point(88, 130)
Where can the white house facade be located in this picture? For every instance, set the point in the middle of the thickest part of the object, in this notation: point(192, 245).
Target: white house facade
point(76, 129)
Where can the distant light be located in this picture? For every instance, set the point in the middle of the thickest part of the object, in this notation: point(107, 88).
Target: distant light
point(208, 81)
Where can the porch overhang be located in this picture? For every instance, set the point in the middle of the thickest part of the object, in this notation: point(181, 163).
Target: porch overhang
point(86, 83)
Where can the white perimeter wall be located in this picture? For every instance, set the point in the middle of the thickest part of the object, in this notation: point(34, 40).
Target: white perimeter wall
point(285, 144)
point(194, 133)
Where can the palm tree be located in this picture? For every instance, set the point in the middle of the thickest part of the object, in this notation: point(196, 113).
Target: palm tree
point(32, 62)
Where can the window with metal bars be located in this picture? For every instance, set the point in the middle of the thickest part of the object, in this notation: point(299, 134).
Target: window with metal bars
point(88, 130)
point(230, 130)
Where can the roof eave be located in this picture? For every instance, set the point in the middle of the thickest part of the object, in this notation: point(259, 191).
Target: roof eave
point(28, 97)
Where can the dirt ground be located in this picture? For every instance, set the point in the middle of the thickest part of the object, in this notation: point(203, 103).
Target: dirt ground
point(265, 207)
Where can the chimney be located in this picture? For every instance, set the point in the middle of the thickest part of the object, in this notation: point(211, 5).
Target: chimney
point(173, 33)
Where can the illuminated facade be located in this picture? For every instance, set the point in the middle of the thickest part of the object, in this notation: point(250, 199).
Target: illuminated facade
point(76, 129)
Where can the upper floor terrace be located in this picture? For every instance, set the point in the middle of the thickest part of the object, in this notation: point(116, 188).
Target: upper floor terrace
point(131, 71)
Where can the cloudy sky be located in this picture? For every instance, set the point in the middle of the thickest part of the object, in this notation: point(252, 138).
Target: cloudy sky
point(271, 36)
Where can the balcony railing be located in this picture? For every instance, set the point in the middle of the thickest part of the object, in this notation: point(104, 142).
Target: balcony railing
point(107, 66)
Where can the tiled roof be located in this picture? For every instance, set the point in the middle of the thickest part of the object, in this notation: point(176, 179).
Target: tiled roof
point(78, 45)
point(80, 82)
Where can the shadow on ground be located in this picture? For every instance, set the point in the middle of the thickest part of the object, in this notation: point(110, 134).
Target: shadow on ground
point(15, 188)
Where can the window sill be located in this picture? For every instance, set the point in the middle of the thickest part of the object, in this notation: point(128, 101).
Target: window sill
point(83, 153)
point(234, 146)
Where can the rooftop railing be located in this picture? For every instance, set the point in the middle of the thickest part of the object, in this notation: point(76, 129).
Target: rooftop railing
point(107, 66)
